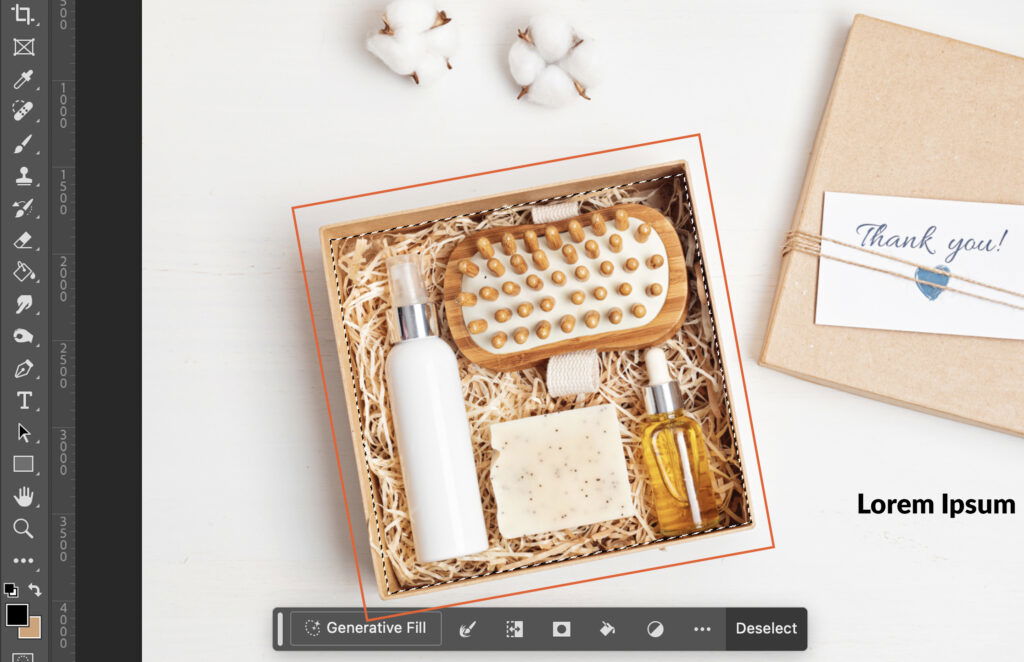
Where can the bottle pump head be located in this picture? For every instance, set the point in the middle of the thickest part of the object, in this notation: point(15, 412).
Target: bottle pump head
point(411, 309)
point(662, 394)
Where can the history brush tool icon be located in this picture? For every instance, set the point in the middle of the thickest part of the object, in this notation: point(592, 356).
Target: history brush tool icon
point(22, 207)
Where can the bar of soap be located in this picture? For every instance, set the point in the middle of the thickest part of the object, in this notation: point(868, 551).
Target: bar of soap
point(559, 471)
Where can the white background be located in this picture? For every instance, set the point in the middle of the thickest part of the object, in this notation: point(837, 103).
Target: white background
point(253, 106)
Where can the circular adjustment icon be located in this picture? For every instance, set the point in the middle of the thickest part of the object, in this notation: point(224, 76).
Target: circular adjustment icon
point(655, 629)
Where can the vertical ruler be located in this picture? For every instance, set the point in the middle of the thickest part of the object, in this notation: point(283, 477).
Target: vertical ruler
point(62, 330)
point(37, 338)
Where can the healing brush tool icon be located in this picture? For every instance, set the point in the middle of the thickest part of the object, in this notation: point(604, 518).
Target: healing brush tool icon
point(25, 77)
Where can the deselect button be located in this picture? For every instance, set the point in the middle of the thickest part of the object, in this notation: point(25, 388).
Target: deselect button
point(766, 629)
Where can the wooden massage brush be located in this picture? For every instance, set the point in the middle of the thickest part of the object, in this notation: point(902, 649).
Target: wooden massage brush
point(608, 280)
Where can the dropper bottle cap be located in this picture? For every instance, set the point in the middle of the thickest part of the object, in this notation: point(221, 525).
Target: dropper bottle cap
point(662, 394)
point(411, 307)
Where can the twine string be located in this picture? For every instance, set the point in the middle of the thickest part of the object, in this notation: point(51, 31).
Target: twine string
point(810, 244)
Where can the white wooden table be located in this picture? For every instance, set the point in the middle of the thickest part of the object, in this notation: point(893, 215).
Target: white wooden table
point(253, 106)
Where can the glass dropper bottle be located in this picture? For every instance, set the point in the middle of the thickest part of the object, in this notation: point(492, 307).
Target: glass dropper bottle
point(676, 456)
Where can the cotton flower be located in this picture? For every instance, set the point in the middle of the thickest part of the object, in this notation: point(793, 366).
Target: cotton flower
point(417, 40)
point(552, 62)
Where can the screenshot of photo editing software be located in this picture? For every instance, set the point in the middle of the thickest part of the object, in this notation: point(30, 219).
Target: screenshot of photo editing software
point(441, 329)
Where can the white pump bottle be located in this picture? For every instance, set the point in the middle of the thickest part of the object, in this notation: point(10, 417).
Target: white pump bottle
point(430, 420)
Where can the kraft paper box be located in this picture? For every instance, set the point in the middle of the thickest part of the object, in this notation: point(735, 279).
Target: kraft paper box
point(917, 115)
point(642, 179)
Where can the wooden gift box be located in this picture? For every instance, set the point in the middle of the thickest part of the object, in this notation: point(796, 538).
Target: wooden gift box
point(640, 179)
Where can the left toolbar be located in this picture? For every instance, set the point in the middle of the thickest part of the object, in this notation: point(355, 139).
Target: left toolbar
point(25, 346)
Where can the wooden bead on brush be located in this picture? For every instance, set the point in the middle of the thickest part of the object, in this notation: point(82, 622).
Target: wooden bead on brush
point(553, 238)
point(518, 263)
point(530, 239)
point(576, 230)
point(483, 244)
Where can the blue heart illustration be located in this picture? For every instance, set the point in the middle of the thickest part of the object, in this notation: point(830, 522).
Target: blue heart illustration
point(941, 280)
